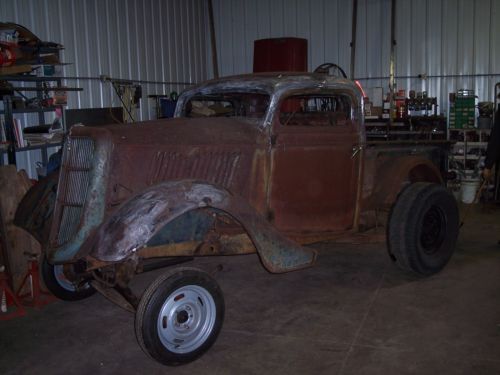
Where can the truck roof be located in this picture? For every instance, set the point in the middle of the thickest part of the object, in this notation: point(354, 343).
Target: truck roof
point(276, 81)
point(274, 84)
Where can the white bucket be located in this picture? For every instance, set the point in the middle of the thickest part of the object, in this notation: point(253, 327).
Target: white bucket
point(468, 190)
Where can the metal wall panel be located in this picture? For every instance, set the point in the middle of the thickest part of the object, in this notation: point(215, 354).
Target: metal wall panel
point(150, 40)
point(434, 38)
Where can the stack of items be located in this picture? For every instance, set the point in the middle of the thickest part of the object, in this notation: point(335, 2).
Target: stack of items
point(419, 104)
point(373, 103)
point(462, 109)
point(485, 119)
point(20, 49)
point(42, 134)
point(36, 135)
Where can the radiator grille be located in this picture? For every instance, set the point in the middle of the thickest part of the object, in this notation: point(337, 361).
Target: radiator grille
point(216, 167)
point(73, 186)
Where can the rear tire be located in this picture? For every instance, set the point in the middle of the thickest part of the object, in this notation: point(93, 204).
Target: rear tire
point(179, 316)
point(58, 280)
point(423, 228)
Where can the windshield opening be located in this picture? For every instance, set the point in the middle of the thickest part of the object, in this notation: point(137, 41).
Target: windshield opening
point(246, 106)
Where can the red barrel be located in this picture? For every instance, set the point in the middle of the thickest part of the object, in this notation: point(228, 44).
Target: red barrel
point(280, 55)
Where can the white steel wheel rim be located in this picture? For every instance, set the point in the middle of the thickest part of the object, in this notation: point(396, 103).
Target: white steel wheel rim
point(186, 319)
point(62, 280)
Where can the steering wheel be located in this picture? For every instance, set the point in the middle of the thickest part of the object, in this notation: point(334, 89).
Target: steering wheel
point(331, 69)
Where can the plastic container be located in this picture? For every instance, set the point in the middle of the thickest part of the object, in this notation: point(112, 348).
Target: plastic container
point(167, 107)
point(468, 190)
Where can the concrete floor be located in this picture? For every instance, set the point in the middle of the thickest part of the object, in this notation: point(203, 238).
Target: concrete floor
point(353, 313)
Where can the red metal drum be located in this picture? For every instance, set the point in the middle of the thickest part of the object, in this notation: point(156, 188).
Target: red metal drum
point(280, 55)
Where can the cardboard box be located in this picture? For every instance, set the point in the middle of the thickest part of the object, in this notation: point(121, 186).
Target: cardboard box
point(377, 111)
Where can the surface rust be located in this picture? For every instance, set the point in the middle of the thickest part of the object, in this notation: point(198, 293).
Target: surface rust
point(130, 227)
point(226, 245)
point(277, 181)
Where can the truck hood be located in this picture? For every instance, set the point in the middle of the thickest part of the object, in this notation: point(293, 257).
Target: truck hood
point(179, 131)
point(221, 151)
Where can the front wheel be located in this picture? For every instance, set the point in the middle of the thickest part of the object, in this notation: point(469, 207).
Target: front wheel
point(179, 316)
point(423, 228)
point(61, 281)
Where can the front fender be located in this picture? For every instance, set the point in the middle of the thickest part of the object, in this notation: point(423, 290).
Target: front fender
point(137, 220)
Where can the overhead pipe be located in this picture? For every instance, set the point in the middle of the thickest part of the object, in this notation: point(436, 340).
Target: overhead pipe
point(392, 63)
point(215, 64)
point(100, 78)
point(425, 76)
point(353, 36)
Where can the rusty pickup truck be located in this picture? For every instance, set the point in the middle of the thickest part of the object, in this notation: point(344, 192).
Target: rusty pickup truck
point(264, 164)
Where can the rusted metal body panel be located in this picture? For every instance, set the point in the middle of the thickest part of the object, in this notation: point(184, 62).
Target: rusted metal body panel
point(221, 152)
point(389, 167)
point(147, 154)
point(80, 203)
point(126, 190)
point(227, 245)
point(134, 223)
point(314, 179)
point(278, 86)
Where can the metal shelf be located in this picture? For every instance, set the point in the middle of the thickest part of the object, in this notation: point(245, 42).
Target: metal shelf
point(386, 124)
point(33, 110)
point(469, 130)
point(37, 89)
point(33, 147)
point(462, 143)
point(30, 78)
point(466, 156)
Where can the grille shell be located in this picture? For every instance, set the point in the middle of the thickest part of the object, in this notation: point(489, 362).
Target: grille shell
point(74, 183)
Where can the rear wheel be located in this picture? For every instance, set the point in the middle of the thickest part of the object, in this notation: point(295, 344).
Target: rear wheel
point(423, 228)
point(62, 281)
point(179, 316)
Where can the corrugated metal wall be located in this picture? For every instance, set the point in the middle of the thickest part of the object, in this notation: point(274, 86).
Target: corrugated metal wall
point(162, 40)
point(434, 37)
point(149, 40)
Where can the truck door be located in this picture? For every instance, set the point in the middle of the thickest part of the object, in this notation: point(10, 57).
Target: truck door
point(314, 175)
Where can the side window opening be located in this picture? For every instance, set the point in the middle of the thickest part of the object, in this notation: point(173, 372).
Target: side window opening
point(316, 110)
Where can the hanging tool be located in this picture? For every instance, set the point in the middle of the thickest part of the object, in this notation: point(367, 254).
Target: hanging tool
point(129, 94)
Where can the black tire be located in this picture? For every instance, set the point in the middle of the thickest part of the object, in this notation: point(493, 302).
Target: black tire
point(179, 316)
point(58, 282)
point(423, 228)
point(34, 212)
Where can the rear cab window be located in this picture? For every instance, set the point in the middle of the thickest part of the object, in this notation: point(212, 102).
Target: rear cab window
point(316, 110)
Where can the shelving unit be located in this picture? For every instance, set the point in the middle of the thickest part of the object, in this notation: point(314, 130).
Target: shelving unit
point(409, 128)
point(470, 142)
point(469, 147)
point(9, 113)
